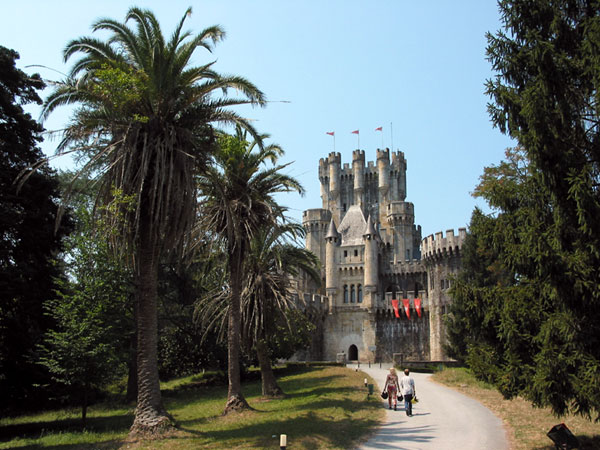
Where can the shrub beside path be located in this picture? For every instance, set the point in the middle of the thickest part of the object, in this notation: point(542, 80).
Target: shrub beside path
point(443, 419)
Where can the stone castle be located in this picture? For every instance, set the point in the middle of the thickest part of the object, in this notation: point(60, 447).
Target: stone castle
point(384, 288)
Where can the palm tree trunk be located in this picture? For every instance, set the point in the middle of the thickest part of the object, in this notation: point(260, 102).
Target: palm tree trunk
point(235, 398)
point(132, 391)
point(270, 388)
point(150, 415)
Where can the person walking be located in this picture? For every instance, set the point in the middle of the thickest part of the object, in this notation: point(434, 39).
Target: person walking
point(391, 383)
point(407, 388)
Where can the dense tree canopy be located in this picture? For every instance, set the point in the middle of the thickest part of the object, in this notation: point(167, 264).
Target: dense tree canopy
point(237, 200)
point(145, 120)
point(543, 298)
point(28, 242)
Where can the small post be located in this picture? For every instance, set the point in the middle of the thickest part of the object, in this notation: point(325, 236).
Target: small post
point(369, 364)
point(283, 441)
point(366, 382)
point(380, 364)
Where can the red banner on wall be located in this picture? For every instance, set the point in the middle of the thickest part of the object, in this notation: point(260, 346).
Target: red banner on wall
point(395, 306)
point(418, 306)
point(406, 306)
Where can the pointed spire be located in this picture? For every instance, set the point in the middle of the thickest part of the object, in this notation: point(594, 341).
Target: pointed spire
point(369, 229)
point(331, 231)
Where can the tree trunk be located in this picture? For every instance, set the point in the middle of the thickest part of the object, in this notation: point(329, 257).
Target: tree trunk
point(270, 388)
point(150, 415)
point(84, 404)
point(132, 390)
point(235, 398)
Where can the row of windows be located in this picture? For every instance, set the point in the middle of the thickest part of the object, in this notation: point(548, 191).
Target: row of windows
point(354, 294)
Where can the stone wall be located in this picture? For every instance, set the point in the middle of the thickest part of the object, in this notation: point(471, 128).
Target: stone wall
point(409, 337)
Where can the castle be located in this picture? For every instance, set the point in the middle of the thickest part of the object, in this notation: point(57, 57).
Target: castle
point(384, 288)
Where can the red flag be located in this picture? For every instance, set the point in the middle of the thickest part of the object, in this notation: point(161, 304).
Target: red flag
point(330, 133)
point(406, 306)
point(418, 306)
point(395, 306)
point(355, 132)
point(379, 129)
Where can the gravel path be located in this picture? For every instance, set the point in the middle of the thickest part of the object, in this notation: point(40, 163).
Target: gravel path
point(443, 420)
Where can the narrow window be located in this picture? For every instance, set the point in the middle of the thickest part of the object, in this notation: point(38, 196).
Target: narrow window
point(360, 293)
point(352, 294)
point(345, 293)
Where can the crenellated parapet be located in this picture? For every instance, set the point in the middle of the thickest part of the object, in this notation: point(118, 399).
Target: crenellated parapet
point(315, 219)
point(398, 160)
point(437, 246)
point(400, 213)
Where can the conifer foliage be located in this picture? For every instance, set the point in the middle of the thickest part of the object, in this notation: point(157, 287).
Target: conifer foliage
point(537, 287)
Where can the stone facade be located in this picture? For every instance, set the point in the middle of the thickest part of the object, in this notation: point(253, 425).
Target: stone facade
point(371, 253)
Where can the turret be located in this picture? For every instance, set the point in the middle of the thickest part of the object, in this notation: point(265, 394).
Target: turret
point(335, 161)
point(398, 177)
point(331, 273)
point(383, 169)
point(335, 201)
point(371, 262)
point(358, 172)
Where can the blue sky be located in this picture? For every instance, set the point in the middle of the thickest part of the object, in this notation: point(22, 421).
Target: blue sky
point(343, 65)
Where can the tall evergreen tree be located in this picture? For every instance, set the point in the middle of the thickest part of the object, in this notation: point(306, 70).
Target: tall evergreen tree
point(545, 95)
point(145, 120)
point(28, 242)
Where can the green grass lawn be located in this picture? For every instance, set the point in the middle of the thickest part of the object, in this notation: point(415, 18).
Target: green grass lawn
point(325, 407)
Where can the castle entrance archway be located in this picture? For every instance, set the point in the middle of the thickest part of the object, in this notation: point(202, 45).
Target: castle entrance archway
point(353, 353)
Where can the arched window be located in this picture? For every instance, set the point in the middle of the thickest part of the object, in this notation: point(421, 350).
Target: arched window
point(345, 293)
point(359, 293)
point(352, 294)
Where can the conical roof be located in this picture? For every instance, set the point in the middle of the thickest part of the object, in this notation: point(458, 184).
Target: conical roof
point(331, 231)
point(369, 229)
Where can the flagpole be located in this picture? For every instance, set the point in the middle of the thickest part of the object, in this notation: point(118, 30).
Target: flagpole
point(334, 142)
point(392, 135)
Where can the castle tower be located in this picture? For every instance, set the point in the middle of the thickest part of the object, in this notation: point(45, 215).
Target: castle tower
point(383, 172)
point(331, 270)
point(358, 174)
point(442, 256)
point(315, 223)
point(335, 201)
point(398, 177)
point(371, 270)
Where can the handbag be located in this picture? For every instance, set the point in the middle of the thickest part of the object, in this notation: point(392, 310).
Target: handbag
point(384, 395)
point(414, 400)
point(400, 398)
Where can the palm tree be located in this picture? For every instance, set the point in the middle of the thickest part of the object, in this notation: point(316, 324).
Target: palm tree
point(145, 123)
point(268, 299)
point(237, 200)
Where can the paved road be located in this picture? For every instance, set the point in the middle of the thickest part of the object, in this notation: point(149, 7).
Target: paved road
point(443, 420)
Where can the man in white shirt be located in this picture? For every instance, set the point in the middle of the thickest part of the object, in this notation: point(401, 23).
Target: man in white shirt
point(407, 387)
